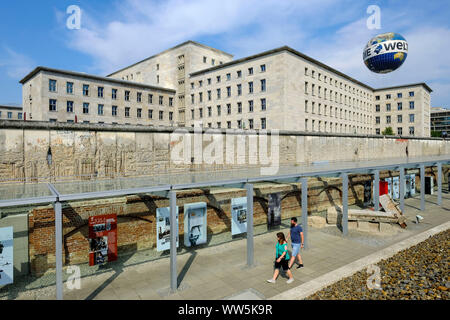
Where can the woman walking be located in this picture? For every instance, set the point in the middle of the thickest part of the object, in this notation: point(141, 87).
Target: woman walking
point(282, 259)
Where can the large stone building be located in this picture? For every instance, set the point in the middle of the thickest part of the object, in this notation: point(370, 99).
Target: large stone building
point(440, 120)
point(203, 86)
point(11, 113)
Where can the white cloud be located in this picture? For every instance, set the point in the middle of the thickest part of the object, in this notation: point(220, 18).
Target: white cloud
point(16, 65)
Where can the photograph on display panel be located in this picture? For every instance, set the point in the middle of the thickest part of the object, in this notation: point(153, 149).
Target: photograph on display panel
point(163, 229)
point(6, 256)
point(195, 224)
point(239, 215)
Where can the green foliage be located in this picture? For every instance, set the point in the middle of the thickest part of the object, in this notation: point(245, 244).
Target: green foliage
point(388, 131)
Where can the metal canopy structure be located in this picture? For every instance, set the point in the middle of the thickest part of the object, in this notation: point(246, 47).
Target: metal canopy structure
point(20, 194)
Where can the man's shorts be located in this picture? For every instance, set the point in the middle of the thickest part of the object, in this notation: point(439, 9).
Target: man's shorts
point(295, 249)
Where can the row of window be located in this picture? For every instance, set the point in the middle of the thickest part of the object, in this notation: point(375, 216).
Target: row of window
point(399, 119)
point(228, 76)
point(101, 110)
point(241, 124)
point(338, 112)
point(100, 92)
point(251, 107)
point(324, 126)
point(228, 91)
point(399, 106)
point(399, 131)
point(399, 95)
point(205, 60)
point(341, 85)
point(9, 115)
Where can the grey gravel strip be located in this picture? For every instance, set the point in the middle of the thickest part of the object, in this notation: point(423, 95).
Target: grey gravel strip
point(305, 290)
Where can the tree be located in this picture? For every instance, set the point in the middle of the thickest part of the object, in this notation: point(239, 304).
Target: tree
point(435, 133)
point(388, 131)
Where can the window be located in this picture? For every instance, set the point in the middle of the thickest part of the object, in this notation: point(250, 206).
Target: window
point(157, 67)
point(400, 131)
point(192, 98)
point(388, 119)
point(69, 106)
point(239, 107)
point(19, 115)
point(239, 73)
point(170, 116)
point(209, 111)
point(219, 110)
point(139, 97)
point(377, 108)
point(250, 71)
point(200, 83)
point(200, 97)
point(161, 115)
point(52, 105)
point(263, 85)
point(399, 118)
point(204, 59)
point(127, 95)
point(388, 96)
point(209, 95)
point(239, 89)
point(250, 106)
point(54, 120)
point(192, 114)
point(150, 99)
point(388, 107)
point(170, 102)
point(377, 131)
point(312, 73)
point(100, 92)
point(201, 112)
point(228, 76)
point(219, 125)
point(228, 108)
point(85, 89)
point(161, 100)
point(263, 104)
point(85, 108)
point(9, 115)
point(399, 106)
point(411, 93)
point(150, 113)
point(263, 68)
point(209, 81)
point(399, 95)
point(250, 87)
point(157, 79)
point(306, 106)
point(127, 112)
point(114, 94)
point(218, 94)
point(69, 87)
point(218, 79)
point(139, 112)
point(411, 131)
point(306, 87)
point(377, 98)
point(263, 123)
point(228, 91)
point(213, 62)
point(306, 71)
point(114, 111)
point(411, 117)
point(229, 124)
point(250, 123)
point(70, 121)
point(411, 105)
point(52, 85)
point(100, 109)
point(192, 85)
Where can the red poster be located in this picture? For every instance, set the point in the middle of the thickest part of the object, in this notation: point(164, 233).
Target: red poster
point(102, 239)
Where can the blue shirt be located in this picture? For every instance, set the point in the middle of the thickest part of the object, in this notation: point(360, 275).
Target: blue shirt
point(295, 234)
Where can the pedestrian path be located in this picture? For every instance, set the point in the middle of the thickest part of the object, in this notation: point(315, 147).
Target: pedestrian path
point(221, 273)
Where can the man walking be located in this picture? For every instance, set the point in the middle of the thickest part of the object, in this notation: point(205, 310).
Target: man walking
point(296, 235)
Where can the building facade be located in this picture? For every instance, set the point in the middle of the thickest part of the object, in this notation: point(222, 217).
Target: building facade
point(440, 120)
point(11, 113)
point(277, 89)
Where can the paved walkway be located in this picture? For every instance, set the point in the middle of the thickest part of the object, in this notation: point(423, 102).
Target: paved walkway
point(220, 272)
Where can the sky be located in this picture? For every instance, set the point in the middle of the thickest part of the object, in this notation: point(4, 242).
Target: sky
point(114, 34)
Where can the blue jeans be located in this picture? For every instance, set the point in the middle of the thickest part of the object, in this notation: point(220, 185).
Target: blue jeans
point(295, 249)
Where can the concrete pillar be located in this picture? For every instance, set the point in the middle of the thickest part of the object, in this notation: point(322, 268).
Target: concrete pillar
point(58, 250)
point(250, 245)
point(422, 187)
point(173, 241)
point(344, 203)
point(402, 189)
point(376, 200)
point(439, 182)
point(304, 182)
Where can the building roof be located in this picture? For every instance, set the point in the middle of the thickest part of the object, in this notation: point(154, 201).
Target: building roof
point(407, 86)
point(303, 56)
point(11, 107)
point(93, 77)
point(173, 48)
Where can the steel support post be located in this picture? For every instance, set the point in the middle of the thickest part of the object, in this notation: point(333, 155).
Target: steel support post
point(58, 250)
point(439, 182)
point(344, 203)
point(173, 241)
point(376, 200)
point(304, 182)
point(402, 189)
point(250, 246)
point(422, 187)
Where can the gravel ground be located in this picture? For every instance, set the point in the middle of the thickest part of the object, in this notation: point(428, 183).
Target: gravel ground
point(417, 273)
